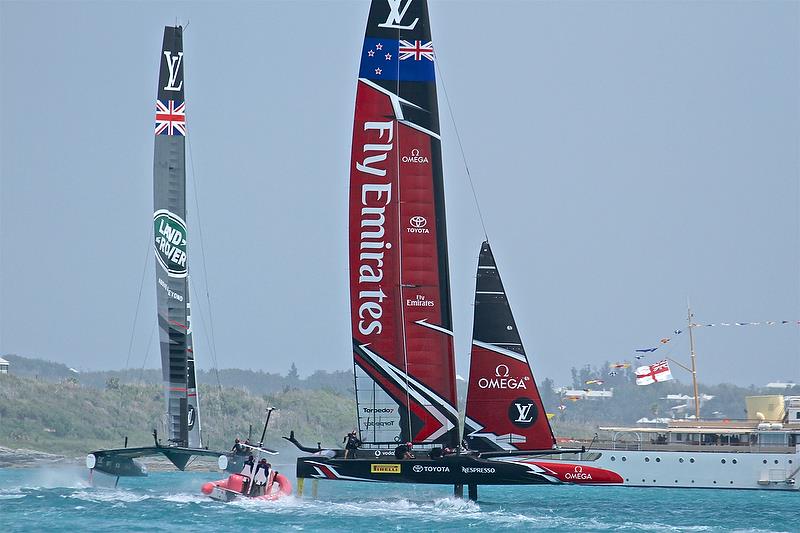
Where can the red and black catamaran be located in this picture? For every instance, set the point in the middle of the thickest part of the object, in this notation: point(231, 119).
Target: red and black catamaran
point(401, 317)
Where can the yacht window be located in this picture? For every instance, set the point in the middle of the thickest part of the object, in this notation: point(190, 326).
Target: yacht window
point(772, 439)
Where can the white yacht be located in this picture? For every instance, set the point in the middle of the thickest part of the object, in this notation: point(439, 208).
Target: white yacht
point(762, 452)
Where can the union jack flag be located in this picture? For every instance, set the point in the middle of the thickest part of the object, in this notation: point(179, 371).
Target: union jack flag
point(170, 119)
point(416, 49)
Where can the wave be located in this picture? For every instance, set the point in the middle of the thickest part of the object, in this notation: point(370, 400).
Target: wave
point(185, 498)
point(106, 495)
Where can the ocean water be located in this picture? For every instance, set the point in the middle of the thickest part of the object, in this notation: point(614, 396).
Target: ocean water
point(61, 499)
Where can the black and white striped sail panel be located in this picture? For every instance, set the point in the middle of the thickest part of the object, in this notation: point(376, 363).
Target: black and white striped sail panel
point(504, 409)
point(170, 243)
point(399, 281)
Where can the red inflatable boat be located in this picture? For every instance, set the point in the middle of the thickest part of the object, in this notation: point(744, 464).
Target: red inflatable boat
point(238, 486)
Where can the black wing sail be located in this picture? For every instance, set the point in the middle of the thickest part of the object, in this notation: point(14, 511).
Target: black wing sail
point(170, 234)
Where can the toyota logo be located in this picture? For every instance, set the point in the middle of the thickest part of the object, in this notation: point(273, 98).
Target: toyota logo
point(418, 222)
point(417, 468)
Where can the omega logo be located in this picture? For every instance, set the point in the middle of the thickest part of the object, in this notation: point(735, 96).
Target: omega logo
point(415, 157)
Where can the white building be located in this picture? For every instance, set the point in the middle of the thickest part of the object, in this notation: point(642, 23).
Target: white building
point(4, 366)
point(780, 385)
point(586, 394)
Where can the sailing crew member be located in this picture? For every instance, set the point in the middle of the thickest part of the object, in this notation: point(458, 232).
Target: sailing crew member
point(408, 454)
point(257, 488)
point(247, 471)
point(404, 451)
point(238, 449)
point(351, 444)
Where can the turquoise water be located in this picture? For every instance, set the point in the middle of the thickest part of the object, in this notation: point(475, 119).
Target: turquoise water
point(60, 499)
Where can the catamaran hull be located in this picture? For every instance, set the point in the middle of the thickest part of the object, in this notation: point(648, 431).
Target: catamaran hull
point(707, 470)
point(452, 470)
point(122, 461)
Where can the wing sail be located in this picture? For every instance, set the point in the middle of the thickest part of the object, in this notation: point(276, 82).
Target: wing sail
point(399, 281)
point(170, 242)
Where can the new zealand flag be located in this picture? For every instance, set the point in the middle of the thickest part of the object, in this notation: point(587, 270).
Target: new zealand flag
point(388, 59)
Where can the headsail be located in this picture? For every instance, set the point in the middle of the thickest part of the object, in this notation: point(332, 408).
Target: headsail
point(170, 233)
point(504, 409)
point(399, 281)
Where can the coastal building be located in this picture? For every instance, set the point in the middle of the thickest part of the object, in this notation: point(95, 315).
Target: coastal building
point(586, 394)
point(780, 385)
point(4, 366)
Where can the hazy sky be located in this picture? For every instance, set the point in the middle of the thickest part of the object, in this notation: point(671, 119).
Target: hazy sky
point(626, 156)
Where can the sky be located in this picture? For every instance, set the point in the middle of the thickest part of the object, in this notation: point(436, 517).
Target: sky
point(627, 157)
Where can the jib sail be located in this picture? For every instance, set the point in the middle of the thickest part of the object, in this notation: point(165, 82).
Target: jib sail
point(504, 409)
point(170, 234)
point(399, 281)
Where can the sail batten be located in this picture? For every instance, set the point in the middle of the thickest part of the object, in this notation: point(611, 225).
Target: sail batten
point(170, 246)
point(399, 282)
point(504, 409)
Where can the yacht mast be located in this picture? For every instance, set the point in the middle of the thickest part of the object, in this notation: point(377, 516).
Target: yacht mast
point(694, 367)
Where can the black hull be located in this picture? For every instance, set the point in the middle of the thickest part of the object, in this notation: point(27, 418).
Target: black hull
point(449, 470)
point(121, 461)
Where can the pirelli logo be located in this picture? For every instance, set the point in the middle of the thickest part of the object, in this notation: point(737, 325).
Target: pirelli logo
point(384, 468)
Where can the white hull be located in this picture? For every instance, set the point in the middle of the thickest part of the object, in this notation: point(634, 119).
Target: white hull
point(706, 469)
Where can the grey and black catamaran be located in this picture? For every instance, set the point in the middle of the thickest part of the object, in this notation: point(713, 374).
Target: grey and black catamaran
point(403, 354)
point(184, 439)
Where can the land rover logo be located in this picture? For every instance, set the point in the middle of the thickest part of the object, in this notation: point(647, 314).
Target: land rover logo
point(522, 412)
point(170, 242)
point(418, 222)
point(191, 417)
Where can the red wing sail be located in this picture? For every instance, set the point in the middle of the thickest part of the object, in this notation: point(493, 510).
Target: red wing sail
point(399, 285)
point(504, 409)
